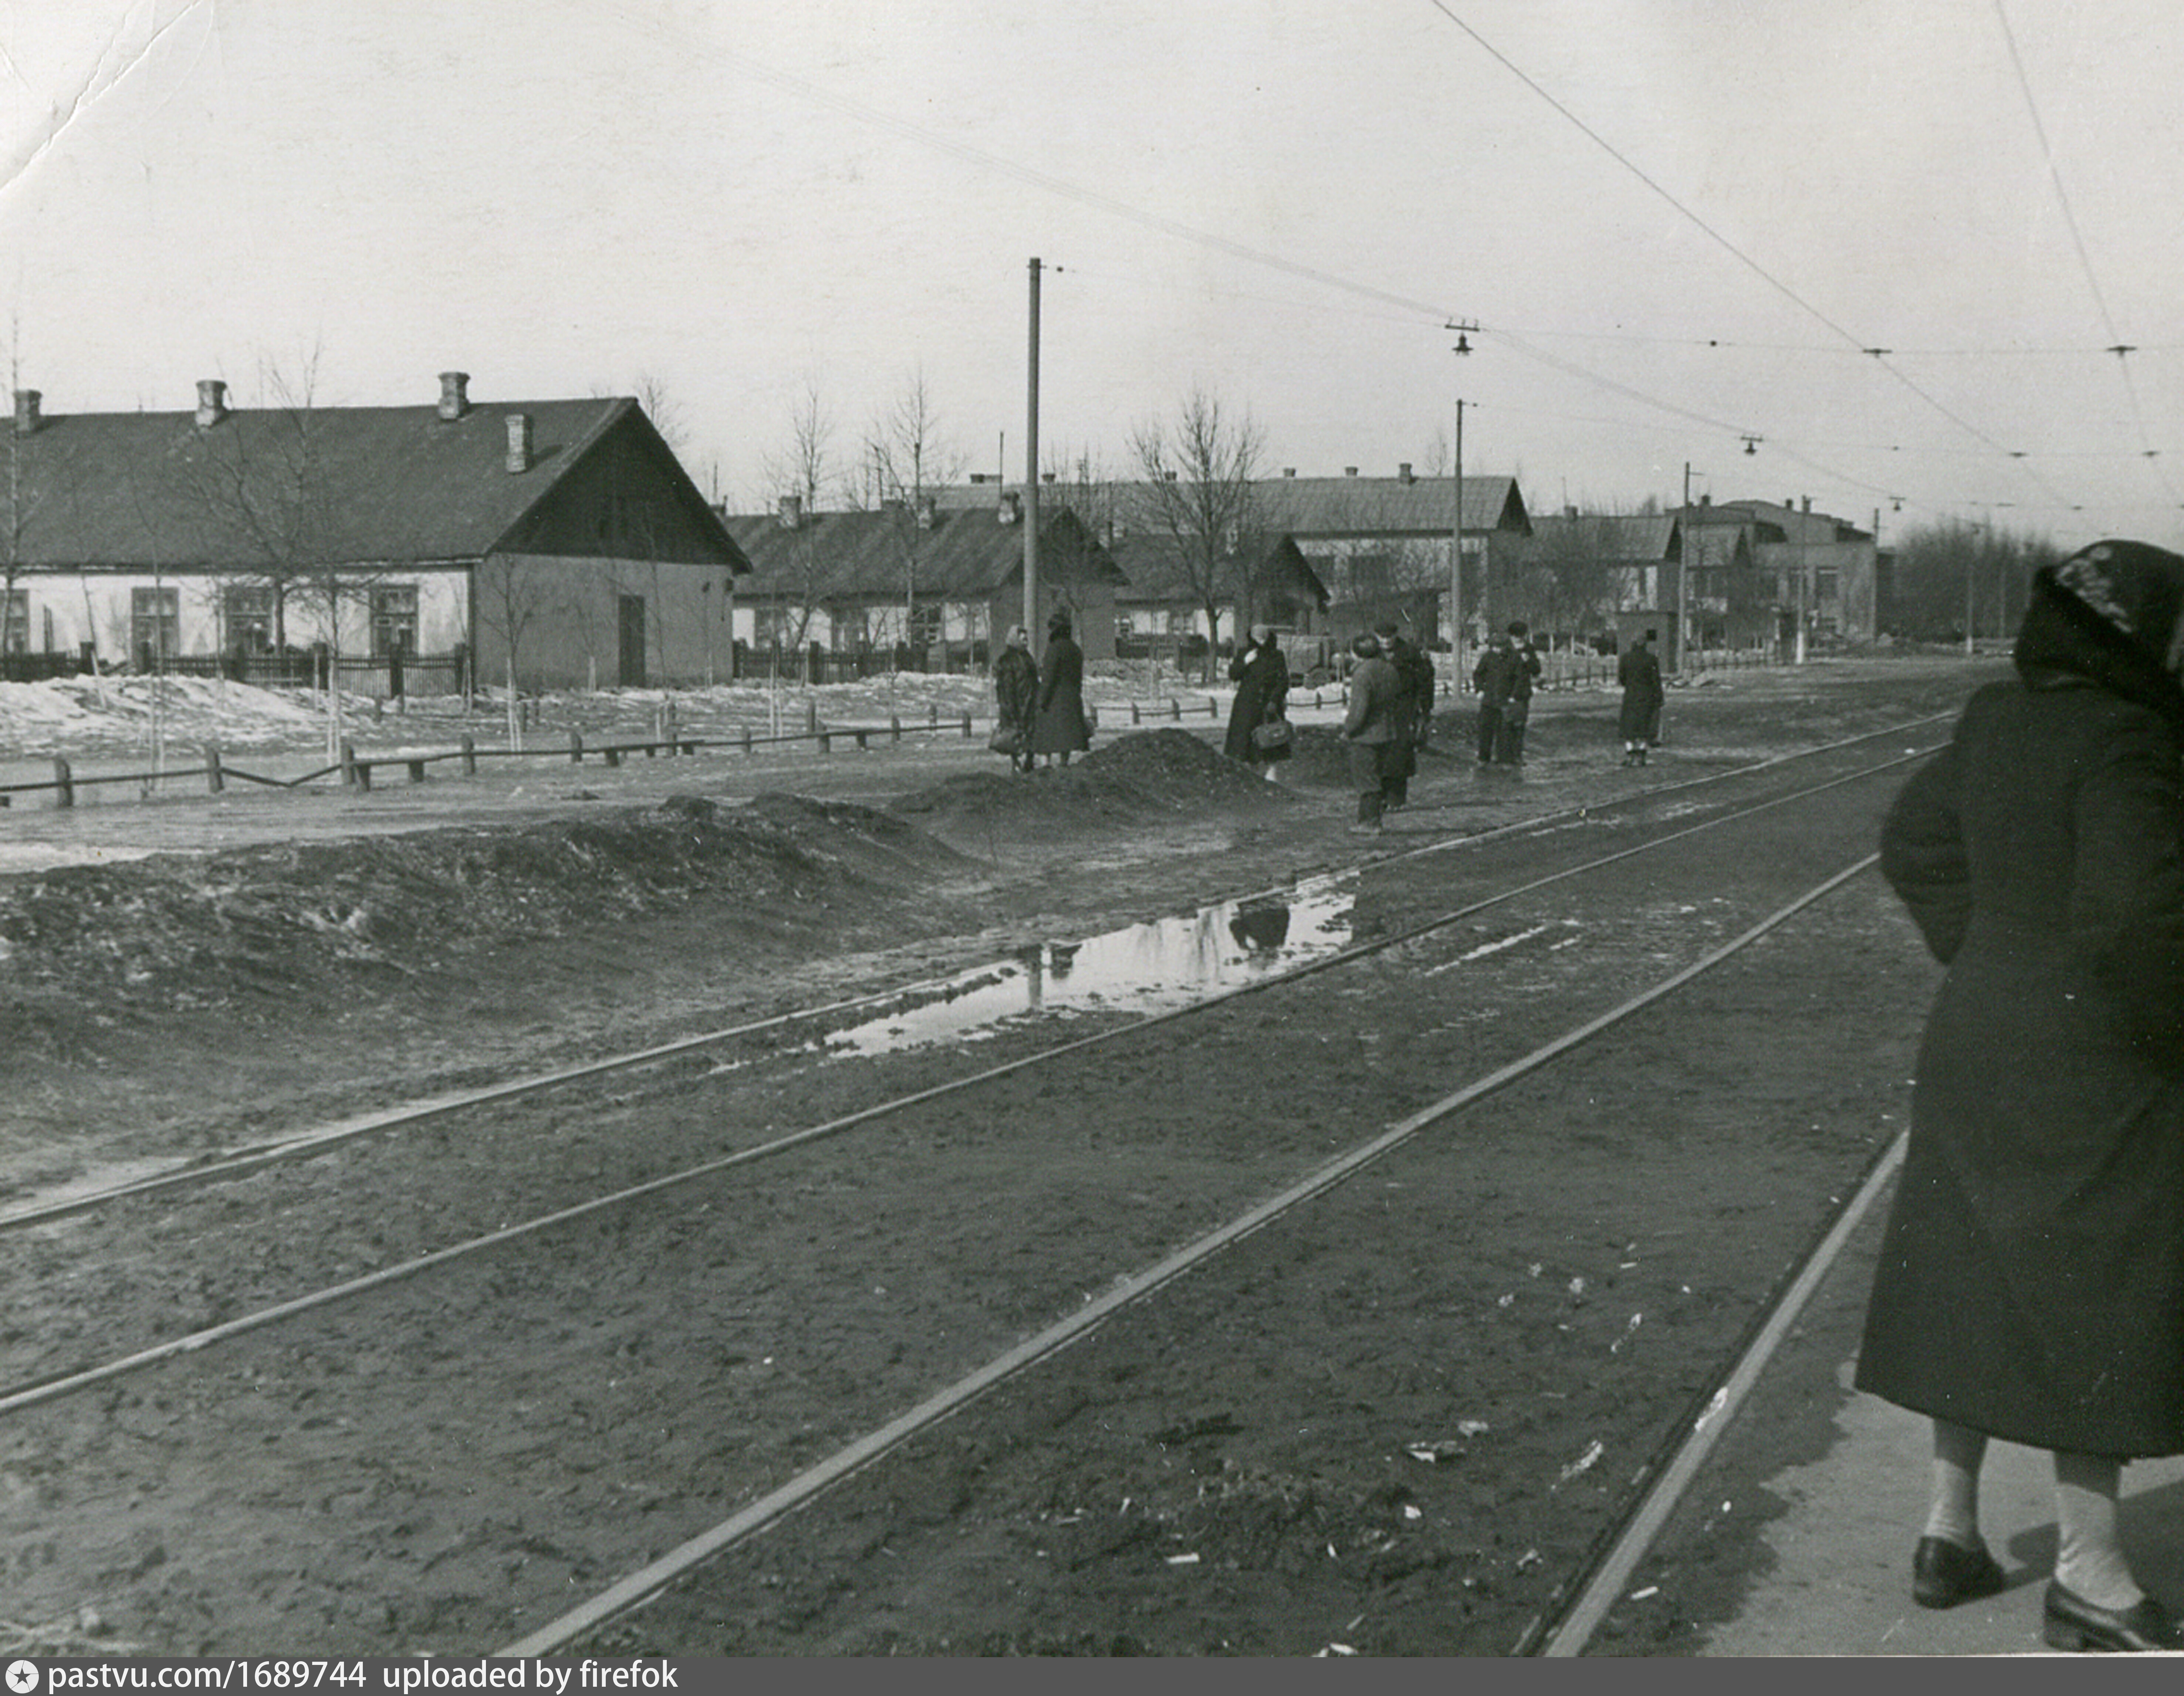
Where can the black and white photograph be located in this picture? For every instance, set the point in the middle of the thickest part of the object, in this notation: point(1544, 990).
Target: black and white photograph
point(1277, 830)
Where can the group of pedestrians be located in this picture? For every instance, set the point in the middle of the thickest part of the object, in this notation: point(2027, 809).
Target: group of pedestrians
point(1040, 705)
point(1041, 712)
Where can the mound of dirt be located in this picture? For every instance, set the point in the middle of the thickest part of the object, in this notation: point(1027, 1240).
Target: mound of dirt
point(339, 918)
point(1150, 777)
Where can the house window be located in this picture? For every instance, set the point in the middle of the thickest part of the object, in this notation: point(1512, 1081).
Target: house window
point(1825, 585)
point(245, 615)
point(155, 617)
point(19, 621)
point(1125, 626)
point(393, 620)
point(924, 626)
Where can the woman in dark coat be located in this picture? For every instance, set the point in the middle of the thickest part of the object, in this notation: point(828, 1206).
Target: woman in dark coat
point(1060, 728)
point(1261, 672)
point(1638, 671)
point(1016, 694)
point(2030, 1285)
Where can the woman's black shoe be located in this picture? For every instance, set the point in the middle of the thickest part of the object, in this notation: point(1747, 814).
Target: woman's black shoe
point(2077, 1626)
point(1945, 1573)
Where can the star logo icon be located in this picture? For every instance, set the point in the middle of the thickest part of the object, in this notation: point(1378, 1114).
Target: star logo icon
point(22, 1678)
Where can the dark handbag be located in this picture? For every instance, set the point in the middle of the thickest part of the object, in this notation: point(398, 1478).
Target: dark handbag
point(1273, 733)
point(1006, 739)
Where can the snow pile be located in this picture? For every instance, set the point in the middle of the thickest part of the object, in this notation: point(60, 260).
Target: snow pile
point(80, 716)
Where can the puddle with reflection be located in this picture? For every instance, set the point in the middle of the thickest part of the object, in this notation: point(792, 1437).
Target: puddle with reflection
point(1141, 968)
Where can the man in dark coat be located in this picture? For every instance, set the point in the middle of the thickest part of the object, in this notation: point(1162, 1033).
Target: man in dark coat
point(1369, 729)
point(1261, 672)
point(2030, 1285)
point(1494, 678)
point(1060, 728)
point(1016, 694)
point(1414, 709)
point(1638, 670)
point(1517, 710)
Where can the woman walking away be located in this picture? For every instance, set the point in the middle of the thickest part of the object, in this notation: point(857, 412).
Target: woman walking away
point(1375, 696)
point(2030, 1284)
point(1016, 693)
point(1261, 672)
point(1638, 671)
point(1060, 728)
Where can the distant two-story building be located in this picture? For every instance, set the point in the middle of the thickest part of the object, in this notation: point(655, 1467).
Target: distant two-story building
point(551, 543)
point(1821, 572)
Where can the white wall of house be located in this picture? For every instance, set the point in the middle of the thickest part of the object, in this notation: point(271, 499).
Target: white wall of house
point(760, 624)
point(122, 613)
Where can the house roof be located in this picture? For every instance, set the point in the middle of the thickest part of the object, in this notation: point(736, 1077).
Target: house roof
point(1649, 537)
point(964, 555)
point(1328, 508)
point(389, 485)
point(1321, 508)
point(1156, 575)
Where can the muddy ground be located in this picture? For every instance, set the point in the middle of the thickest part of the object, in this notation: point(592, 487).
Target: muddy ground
point(189, 1001)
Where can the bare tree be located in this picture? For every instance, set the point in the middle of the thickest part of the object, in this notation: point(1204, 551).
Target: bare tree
point(909, 458)
point(1575, 575)
point(266, 491)
point(804, 470)
point(15, 490)
point(1198, 474)
point(512, 593)
point(665, 412)
point(1955, 577)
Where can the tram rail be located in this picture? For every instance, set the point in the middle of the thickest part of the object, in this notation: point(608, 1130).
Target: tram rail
point(314, 1141)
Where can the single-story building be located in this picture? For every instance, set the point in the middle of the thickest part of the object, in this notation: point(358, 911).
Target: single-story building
point(919, 576)
point(553, 543)
point(1274, 585)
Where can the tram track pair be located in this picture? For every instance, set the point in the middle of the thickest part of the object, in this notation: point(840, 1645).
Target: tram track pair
point(1144, 1285)
point(631, 1592)
point(58, 1386)
point(317, 1141)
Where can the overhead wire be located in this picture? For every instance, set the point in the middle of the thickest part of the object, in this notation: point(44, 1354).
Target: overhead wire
point(2117, 345)
point(1879, 356)
point(1177, 228)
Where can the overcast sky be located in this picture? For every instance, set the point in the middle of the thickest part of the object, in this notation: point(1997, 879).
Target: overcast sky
point(1678, 225)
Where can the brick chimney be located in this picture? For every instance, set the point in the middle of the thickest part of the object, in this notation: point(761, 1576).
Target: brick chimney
point(1403, 471)
point(212, 402)
point(26, 410)
point(791, 510)
point(519, 442)
point(454, 394)
point(1350, 470)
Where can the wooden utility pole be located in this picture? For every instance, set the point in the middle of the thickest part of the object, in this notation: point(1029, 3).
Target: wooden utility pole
point(1683, 568)
point(1456, 562)
point(1030, 474)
